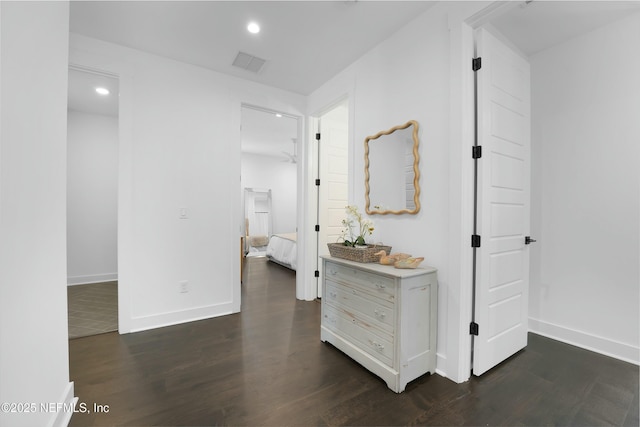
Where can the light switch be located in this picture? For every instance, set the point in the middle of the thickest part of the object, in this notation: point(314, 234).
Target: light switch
point(183, 213)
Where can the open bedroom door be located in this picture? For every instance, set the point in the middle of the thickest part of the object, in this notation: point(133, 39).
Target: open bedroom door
point(333, 173)
point(503, 107)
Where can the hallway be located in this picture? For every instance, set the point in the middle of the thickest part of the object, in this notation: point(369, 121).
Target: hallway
point(267, 367)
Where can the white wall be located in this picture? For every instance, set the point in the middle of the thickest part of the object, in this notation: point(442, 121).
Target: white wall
point(585, 190)
point(179, 148)
point(281, 177)
point(407, 77)
point(34, 360)
point(92, 198)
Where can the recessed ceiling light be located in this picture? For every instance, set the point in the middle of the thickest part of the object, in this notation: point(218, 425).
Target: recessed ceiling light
point(102, 91)
point(253, 28)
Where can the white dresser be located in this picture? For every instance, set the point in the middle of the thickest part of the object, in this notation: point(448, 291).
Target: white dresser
point(383, 317)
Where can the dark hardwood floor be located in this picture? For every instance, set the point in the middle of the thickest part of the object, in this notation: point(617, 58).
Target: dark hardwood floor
point(267, 367)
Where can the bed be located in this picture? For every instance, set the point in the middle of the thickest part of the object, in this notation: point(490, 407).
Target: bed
point(282, 249)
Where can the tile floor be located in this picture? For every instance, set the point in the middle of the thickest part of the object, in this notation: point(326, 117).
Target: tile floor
point(92, 309)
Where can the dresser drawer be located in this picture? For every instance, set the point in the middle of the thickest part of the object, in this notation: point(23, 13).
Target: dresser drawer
point(378, 311)
point(382, 317)
point(373, 284)
point(360, 333)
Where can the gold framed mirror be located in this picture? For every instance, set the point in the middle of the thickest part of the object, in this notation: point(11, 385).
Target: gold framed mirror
point(391, 172)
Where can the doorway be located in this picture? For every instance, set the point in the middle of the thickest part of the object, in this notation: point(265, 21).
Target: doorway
point(269, 184)
point(92, 202)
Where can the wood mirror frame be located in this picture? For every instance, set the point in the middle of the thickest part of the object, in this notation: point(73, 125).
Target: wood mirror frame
point(381, 210)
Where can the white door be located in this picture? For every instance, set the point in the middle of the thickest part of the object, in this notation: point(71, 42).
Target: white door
point(334, 178)
point(502, 260)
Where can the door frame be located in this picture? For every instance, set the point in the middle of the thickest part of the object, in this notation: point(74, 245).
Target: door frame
point(100, 277)
point(301, 171)
point(82, 60)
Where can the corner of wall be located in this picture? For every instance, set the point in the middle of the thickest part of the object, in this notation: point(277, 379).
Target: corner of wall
point(65, 409)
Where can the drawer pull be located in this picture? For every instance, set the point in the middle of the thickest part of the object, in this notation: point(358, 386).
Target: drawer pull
point(379, 286)
point(330, 319)
point(333, 294)
point(333, 272)
point(380, 314)
point(378, 346)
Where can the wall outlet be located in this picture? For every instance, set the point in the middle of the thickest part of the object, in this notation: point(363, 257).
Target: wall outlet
point(184, 287)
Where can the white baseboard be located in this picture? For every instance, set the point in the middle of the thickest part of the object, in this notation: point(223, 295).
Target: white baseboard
point(441, 360)
point(615, 349)
point(91, 278)
point(177, 317)
point(63, 417)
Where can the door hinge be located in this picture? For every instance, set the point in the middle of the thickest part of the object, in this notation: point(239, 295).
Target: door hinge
point(318, 182)
point(475, 241)
point(317, 227)
point(477, 151)
point(316, 273)
point(476, 64)
point(473, 328)
point(318, 136)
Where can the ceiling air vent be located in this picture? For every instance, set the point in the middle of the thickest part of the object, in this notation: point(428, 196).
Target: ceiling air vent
point(248, 62)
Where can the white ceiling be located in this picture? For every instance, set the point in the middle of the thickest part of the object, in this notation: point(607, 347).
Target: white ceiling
point(305, 43)
point(539, 25)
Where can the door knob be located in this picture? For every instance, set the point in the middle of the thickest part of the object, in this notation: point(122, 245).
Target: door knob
point(528, 240)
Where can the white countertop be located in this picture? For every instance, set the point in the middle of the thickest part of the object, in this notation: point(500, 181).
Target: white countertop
point(387, 270)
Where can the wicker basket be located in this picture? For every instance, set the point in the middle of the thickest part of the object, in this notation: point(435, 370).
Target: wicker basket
point(338, 250)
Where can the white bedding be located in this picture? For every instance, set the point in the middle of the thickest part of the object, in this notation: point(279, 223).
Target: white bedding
point(282, 249)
